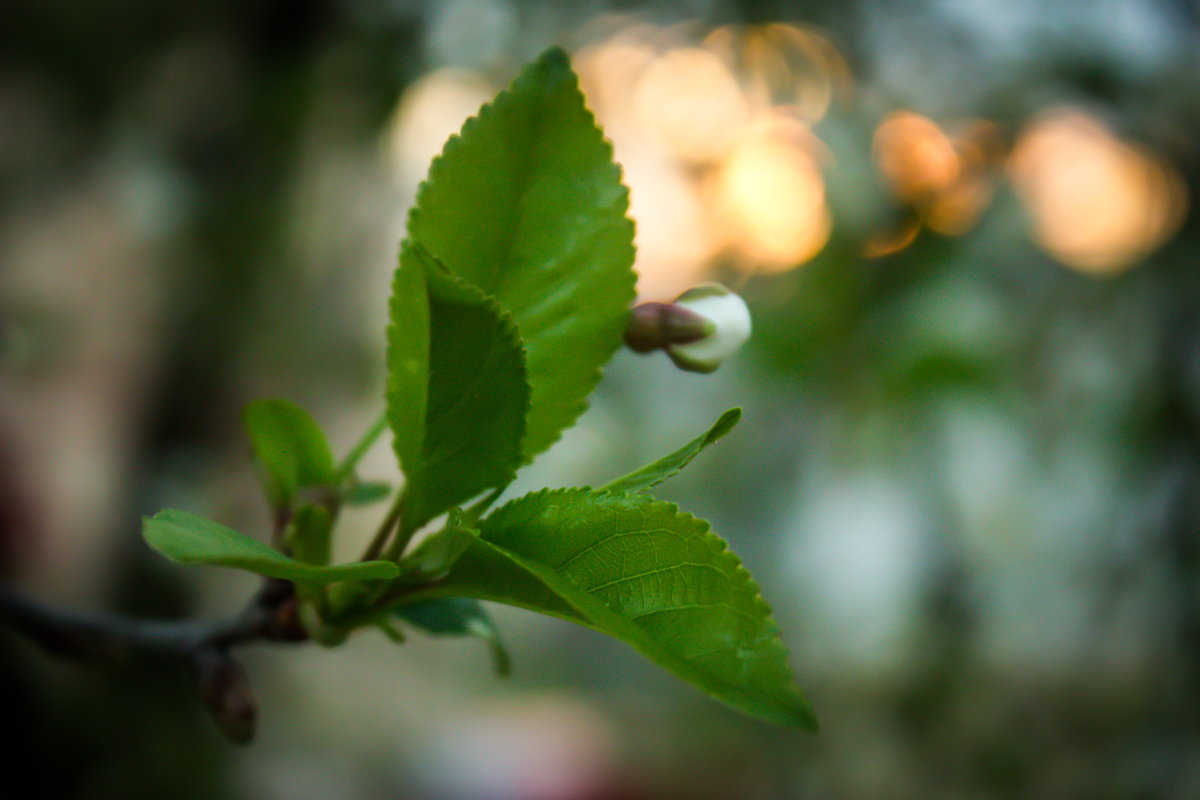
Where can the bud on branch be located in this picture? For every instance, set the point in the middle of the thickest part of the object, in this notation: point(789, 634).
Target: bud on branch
point(225, 692)
point(699, 331)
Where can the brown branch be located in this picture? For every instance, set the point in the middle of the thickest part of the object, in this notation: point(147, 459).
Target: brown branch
point(201, 646)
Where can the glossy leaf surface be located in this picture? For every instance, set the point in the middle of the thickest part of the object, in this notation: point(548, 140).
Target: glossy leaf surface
point(644, 572)
point(457, 395)
point(527, 204)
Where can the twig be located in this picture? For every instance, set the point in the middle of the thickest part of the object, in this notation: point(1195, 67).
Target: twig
point(380, 539)
point(201, 646)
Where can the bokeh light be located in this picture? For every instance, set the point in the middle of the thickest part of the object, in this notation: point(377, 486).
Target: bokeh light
point(916, 156)
point(691, 101)
point(1097, 203)
point(785, 66)
point(891, 241)
point(716, 140)
point(769, 197)
point(945, 179)
point(675, 243)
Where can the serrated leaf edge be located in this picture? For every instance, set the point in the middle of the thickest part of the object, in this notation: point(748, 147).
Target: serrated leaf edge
point(512, 335)
point(508, 328)
point(716, 544)
point(490, 108)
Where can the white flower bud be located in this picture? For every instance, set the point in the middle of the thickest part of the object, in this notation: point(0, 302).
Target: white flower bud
point(729, 319)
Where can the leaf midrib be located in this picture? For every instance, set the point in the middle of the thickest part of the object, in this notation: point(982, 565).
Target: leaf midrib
point(523, 181)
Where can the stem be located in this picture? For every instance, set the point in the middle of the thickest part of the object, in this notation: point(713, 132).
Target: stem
point(404, 535)
point(346, 468)
point(386, 597)
point(281, 518)
point(201, 645)
point(385, 529)
point(85, 637)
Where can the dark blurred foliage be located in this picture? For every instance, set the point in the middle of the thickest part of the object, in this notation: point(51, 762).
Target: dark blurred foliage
point(222, 92)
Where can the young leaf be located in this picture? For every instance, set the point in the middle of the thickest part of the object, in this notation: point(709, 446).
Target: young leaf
point(527, 204)
point(458, 616)
point(364, 493)
point(670, 465)
point(457, 394)
point(290, 447)
point(191, 539)
point(389, 630)
point(641, 571)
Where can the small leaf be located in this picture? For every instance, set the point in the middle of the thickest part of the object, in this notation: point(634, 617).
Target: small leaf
point(527, 204)
point(191, 539)
point(645, 573)
point(457, 395)
point(366, 493)
point(391, 631)
point(290, 447)
point(458, 616)
point(669, 466)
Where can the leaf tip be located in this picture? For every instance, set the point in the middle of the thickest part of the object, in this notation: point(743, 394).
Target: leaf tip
point(726, 423)
point(805, 719)
point(501, 660)
point(554, 58)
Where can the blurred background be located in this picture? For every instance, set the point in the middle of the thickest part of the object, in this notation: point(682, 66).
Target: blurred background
point(968, 477)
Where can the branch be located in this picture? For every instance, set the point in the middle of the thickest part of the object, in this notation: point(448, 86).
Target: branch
point(201, 646)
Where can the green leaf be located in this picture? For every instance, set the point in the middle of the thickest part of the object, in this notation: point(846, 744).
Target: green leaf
point(365, 493)
point(669, 466)
point(458, 616)
point(389, 630)
point(644, 572)
point(191, 539)
point(290, 447)
point(457, 395)
point(438, 553)
point(527, 204)
point(408, 358)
